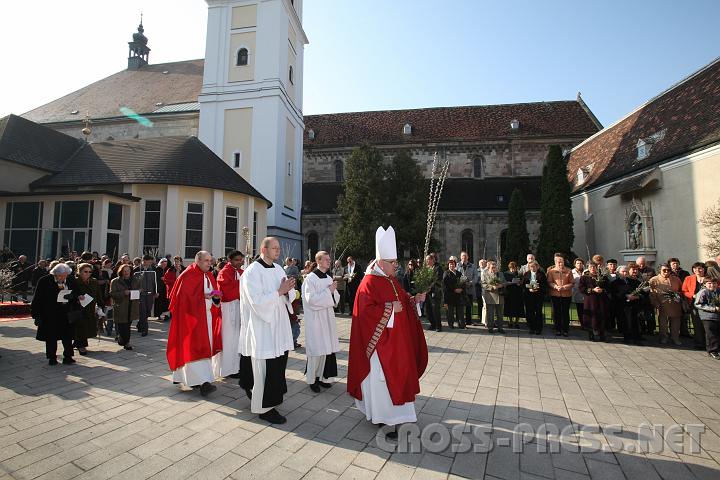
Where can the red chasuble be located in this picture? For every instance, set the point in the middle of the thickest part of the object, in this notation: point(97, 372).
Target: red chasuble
point(402, 349)
point(229, 283)
point(188, 337)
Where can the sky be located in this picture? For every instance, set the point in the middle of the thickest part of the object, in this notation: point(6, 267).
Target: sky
point(389, 54)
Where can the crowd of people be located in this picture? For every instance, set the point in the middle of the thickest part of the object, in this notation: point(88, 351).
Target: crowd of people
point(238, 318)
point(632, 299)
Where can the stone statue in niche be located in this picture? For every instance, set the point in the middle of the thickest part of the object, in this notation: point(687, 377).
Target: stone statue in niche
point(635, 232)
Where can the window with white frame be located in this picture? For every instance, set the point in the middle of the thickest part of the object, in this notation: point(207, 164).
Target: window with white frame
point(193, 229)
point(23, 221)
point(151, 225)
point(231, 229)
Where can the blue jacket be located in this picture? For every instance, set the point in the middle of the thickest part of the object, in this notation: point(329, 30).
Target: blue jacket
point(705, 305)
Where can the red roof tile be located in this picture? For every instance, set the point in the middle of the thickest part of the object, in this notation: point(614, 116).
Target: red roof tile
point(683, 118)
point(563, 118)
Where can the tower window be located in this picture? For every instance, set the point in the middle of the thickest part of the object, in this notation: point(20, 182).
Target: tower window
point(242, 57)
point(291, 76)
point(237, 159)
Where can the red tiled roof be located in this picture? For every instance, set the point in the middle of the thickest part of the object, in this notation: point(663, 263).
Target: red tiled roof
point(139, 90)
point(687, 117)
point(563, 118)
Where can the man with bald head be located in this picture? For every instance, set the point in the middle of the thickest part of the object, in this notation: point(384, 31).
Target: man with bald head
point(266, 296)
point(194, 348)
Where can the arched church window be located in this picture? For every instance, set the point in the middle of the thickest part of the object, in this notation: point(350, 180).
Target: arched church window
point(339, 174)
point(313, 243)
point(466, 243)
point(242, 57)
point(478, 166)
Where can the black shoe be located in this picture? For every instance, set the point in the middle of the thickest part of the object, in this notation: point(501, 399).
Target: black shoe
point(714, 355)
point(315, 387)
point(68, 361)
point(566, 334)
point(53, 361)
point(501, 330)
point(207, 388)
point(128, 347)
point(83, 353)
point(439, 330)
point(144, 334)
point(591, 336)
point(248, 392)
point(273, 416)
point(297, 345)
point(324, 384)
point(490, 330)
point(234, 375)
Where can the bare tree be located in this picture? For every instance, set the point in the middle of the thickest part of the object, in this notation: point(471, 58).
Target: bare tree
point(710, 221)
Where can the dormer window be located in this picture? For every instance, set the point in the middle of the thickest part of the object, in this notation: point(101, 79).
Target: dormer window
point(580, 176)
point(242, 57)
point(643, 149)
point(311, 134)
point(514, 124)
point(407, 129)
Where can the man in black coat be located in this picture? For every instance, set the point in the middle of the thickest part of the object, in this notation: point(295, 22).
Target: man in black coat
point(354, 275)
point(629, 305)
point(434, 297)
point(51, 312)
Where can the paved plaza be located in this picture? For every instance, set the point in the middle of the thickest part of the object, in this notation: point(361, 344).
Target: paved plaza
point(116, 414)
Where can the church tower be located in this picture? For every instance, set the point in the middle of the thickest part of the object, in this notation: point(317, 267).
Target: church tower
point(251, 106)
point(138, 51)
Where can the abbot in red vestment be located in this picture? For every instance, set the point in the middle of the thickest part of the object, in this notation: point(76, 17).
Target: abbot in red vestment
point(188, 337)
point(402, 350)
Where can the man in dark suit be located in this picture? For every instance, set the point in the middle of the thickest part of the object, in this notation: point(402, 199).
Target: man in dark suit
point(353, 274)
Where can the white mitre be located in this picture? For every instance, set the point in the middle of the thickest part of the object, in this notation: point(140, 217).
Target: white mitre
point(385, 246)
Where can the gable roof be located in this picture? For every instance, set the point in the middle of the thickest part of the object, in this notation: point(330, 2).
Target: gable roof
point(140, 90)
point(459, 194)
point(160, 160)
point(37, 146)
point(684, 118)
point(483, 122)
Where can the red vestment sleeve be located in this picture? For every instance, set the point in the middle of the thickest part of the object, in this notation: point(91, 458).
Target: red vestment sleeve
point(188, 336)
point(228, 284)
point(402, 349)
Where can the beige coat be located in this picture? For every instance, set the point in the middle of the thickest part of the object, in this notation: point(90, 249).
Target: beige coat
point(658, 285)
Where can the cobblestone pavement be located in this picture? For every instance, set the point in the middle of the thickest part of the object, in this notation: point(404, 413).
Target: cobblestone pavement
point(116, 414)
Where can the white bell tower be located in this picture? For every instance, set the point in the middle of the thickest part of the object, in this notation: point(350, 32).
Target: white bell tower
point(251, 105)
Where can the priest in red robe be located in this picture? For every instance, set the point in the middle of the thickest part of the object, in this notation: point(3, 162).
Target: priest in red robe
point(194, 348)
point(388, 353)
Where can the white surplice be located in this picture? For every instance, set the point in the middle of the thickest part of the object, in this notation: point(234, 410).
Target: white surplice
point(376, 403)
point(205, 369)
point(320, 325)
point(231, 335)
point(265, 331)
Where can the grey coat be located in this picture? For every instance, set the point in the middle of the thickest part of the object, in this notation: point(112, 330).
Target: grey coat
point(471, 273)
point(124, 309)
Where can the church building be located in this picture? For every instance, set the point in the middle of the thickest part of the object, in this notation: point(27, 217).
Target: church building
point(641, 184)
point(244, 103)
